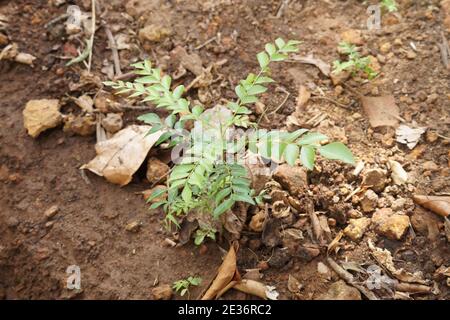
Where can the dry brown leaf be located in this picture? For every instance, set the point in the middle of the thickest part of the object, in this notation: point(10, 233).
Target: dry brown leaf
point(437, 204)
point(319, 63)
point(121, 156)
point(384, 258)
point(381, 111)
point(252, 287)
point(225, 274)
point(303, 97)
point(335, 243)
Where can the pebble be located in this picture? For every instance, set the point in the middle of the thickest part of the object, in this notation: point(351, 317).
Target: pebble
point(51, 212)
point(156, 170)
point(369, 201)
point(293, 179)
point(389, 224)
point(411, 55)
point(376, 179)
point(356, 228)
point(112, 122)
point(133, 226)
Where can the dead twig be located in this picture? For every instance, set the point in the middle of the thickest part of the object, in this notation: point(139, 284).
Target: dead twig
point(115, 51)
point(283, 6)
point(91, 40)
point(445, 50)
point(206, 43)
point(288, 94)
point(348, 277)
point(56, 20)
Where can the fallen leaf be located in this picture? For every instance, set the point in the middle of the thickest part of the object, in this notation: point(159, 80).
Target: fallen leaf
point(319, 63)
point(384, 258)
point(381, 111)
point(121, 156)
point(226, 273)
point(252, 287)
point(399, 175)
point(335, 243)
point(409, 136)
point(437, 204)
point(40, 115)
point(191, 62)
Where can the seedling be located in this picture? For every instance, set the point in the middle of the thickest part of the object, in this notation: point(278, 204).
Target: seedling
point(389, 5)
point(204, 232)
point(211, 177)
point(182, 286)
point(354, 63)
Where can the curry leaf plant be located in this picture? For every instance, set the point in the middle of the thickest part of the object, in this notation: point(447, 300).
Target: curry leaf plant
point(354, 63)
point(201, 181)
point(389, 5)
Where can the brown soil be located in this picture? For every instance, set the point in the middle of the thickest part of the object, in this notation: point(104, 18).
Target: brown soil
point(89, 228)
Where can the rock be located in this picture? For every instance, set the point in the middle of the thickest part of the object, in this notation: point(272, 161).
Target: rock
point(149, 192)
point(154, 33)
point(112, 122)
point(40, 115)
point(431, 136)
point(354, 214)
point(80, 125)
point(163, 292)
point(133, 226)
point(389, 224)
point(257, 221)
point(385, 48)
point(398, 174)
point(51, 212)
point(411, 55)
point(425, 223)
point(308, 252)
point(369, 201)
point(3, 40)
point(398, 204)
point(191, 62)
point(352, 36)
point(356, 228)
point(293, 179)
point(156, 170)
point(375, 179)
point(341, 291)
point(338, 78)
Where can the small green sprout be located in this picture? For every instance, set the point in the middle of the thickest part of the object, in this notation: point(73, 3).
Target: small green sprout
point(182, 286)
point(354, 63)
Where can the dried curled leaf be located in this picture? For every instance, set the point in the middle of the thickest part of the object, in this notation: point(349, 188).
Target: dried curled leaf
point(121, 156)
point(439, 205)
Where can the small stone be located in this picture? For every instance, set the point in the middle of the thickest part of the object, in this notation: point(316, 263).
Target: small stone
point(385, 48)
point(80, 125)
point(352, 36)
point(292, 179)
point(431, 136)
point(51, 212)
point(398, 204)
point(369, 201)
point(389, 224)
point(156, 170)
point(163, 292)
point(375, 179)
point(308, 252)
point(40, 115)
point(356, 228)
point(154, 33)
point(411, 55)
point(354, 214)
point(112, 122)
point(432, 98)
point(3, 40)
point(133, 226)
point(341, 291)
